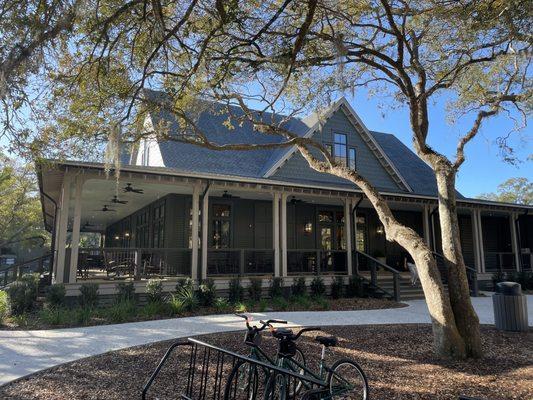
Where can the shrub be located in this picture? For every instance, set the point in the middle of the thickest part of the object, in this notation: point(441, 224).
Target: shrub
point(185, 282)
point(125, 292)
point(88, 297)
point(188, 298)
point(302, 302)
point(236, 291)
point(280, 303)
point(512, 277)
point(318, 288)
point(255, 290)
point(240, 307)
point(55, 295)
point(322, 303)
point(276, 288)
point(4, 305)
point(355, 287)
point(221, 304)
point(154, 290)
point(175, 305)
point(299, 287)
point(262, 306)
point(32, 279)
point(21, 297)
point(337, 287)
point(121, 311)
point(207, 293)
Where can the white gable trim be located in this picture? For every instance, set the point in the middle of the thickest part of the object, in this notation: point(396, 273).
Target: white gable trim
point(150, 143)
point(367, 136)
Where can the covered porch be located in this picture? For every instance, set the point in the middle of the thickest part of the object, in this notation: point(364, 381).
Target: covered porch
point(142, 226)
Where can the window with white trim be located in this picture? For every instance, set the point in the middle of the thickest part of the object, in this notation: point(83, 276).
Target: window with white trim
point(352, 157)
point(339, 148)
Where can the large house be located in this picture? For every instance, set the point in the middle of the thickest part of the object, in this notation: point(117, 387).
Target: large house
point(180, 210)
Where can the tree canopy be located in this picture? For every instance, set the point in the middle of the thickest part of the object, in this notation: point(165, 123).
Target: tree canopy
point(513, 190)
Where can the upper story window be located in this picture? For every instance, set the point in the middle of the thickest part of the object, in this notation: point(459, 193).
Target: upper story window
point(342, 153)
point(339, 148)
point(352, 157)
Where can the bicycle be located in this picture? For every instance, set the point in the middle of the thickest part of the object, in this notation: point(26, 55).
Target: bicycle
point(244, 378)
point(345, 379)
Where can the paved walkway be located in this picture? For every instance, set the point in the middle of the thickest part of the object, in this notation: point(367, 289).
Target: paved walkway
point(25, 352)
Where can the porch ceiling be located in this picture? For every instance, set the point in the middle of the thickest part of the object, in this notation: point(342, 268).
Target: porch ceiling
point(96, 193)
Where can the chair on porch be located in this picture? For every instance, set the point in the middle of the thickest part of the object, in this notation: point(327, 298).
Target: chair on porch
point(153, 264)
point(83, 265)
point(117, 265)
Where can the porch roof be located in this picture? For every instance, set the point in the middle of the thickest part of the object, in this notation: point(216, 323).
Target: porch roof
point(51, 175)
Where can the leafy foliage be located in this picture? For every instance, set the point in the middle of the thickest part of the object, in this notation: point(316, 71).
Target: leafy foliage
point(255, 290)
point(4, 305)
point(355, 287)
point(154, 290)
point(276, 287)
point(55, 295)
point(88, 297)
point(318, 288)
point(299, 287)
point(21, 297)
point(125, 292)
point(513, 190)
point(187, 296)
point(236, 291)
point(207, 292)
point(337, 287)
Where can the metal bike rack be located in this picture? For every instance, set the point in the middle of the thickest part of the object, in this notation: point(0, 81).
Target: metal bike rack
point(209, 368)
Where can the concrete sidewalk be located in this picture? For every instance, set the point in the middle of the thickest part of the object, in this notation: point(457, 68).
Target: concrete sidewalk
point(25, 352)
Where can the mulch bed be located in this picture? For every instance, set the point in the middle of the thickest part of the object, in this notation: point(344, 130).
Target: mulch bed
point(397, 359)
point(33, 322)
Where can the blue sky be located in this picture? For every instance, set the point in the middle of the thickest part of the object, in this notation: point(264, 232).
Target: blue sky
point(483, 169)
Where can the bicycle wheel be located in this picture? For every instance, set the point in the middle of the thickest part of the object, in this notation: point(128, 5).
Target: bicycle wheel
point(296, 367)
point(242, 382)
point(276, 388)
point(346, 380)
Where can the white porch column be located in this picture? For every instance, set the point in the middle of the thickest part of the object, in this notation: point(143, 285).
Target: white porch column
point(514, 241)
point(426, 225)
point(194, 234)
point(475, 236)
point(480, 240)
point(348, 233)
point(205, 230)
point(275, 232)
point(284, 234)
point(62, 231)
point(75, 231)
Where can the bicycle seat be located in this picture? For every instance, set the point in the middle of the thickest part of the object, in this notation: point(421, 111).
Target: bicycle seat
point(328, 341)
point(282, 332)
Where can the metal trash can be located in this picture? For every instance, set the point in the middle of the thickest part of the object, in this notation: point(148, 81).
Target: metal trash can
point(510, 307)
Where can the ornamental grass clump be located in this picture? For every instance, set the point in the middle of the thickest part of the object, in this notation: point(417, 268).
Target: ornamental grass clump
point(318, 288)
point(275, 288)
point(299, 288)
point(236, 291)
point(4, 305)
point(154, 291)
point(207, 292)
point(125, 292)
point(337, 287)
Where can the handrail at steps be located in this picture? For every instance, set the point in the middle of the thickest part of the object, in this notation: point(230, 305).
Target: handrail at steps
point(16, 268)
point(472, 272)
point(373, 274)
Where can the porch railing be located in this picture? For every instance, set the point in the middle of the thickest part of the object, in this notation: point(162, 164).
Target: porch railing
point(471, 274)
point(40, 265)
point(500, 261)
point(375, 267)
point(133, 262)
point(240, 262)
point(316, 261)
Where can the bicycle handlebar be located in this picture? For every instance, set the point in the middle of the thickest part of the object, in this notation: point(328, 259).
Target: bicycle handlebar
point(311, 328)
point(264, 323)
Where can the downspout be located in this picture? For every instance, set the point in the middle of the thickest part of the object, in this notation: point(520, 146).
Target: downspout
point(53, 241)
point(433, 237)
point(519, 239)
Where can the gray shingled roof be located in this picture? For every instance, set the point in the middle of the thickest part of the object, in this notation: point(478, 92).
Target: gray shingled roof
point(254, 163)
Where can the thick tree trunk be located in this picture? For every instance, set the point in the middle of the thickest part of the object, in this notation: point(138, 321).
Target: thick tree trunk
point(466, 318)
point(447, 341)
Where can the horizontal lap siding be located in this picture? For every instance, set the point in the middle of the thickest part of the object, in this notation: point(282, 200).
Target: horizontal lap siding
point(296, 167)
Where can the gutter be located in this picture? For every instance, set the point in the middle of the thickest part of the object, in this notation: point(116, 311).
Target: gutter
point(238, 179)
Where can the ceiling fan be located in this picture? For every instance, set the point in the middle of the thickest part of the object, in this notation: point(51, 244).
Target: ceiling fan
point(116, 200)
point(105, 209)
point(130, 189)
point(226, 195)
point(294, 200)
